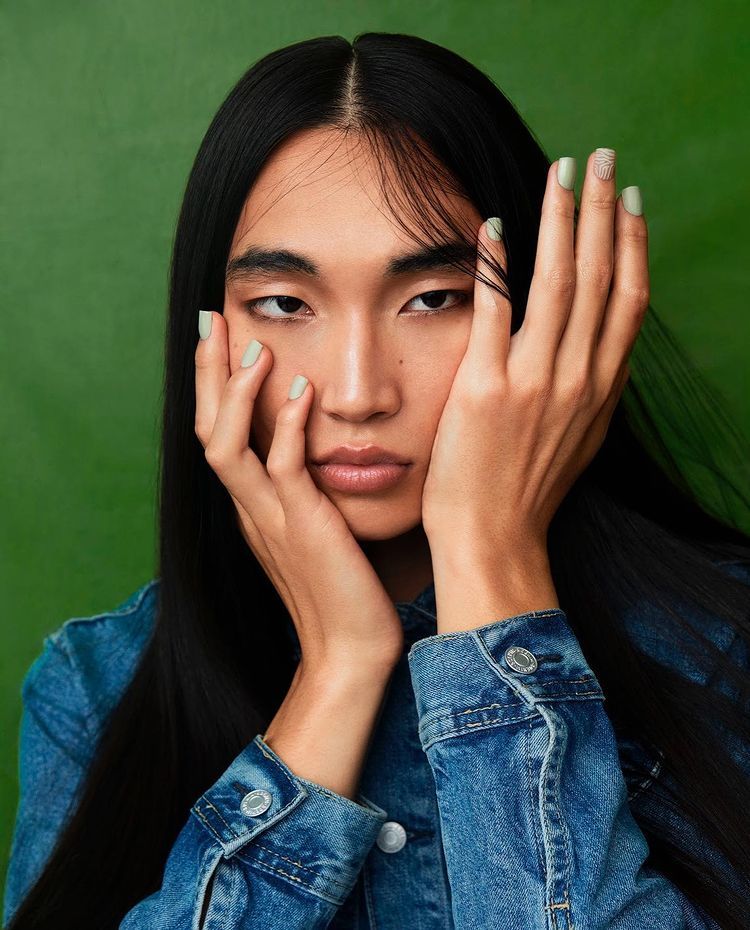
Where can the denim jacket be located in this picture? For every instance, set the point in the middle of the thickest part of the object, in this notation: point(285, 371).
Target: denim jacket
point(495, 793)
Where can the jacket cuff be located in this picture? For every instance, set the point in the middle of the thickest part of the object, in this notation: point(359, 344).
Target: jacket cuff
point(496, 674)
point(315, 835)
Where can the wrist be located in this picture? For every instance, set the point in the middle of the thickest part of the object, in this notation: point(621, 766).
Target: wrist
point(473, 591)
point(344, 674)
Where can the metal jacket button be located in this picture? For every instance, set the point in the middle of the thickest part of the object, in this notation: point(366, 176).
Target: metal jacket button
point(392, 837)
point(256, 802)
point(521, 660)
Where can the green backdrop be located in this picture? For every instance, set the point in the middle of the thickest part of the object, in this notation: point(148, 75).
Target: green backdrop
point(104, 106)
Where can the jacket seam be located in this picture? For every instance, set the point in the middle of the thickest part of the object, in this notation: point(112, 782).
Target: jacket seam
point(278, 855)
point(334, 898)
point(117, 612)
point(550, 791)
point(59, 640)
point(430, 738)
point(62, 646)
point(530, 785)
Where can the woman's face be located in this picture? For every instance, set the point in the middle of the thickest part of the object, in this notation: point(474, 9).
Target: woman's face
point(380, 351)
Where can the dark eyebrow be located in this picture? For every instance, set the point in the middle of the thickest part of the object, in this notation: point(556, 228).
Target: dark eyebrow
point(257, 262)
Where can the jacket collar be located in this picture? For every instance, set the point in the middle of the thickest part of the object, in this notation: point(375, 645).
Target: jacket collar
point(418, 616)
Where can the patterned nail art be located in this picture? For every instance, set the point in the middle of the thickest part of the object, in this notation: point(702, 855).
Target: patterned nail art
point(604, 164)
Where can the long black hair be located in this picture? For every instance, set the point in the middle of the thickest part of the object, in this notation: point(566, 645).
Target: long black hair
point(649, 523)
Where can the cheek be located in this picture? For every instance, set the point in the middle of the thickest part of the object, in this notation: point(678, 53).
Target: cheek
point(431, 378)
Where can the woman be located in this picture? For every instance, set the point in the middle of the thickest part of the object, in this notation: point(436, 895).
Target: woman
point(373, 694)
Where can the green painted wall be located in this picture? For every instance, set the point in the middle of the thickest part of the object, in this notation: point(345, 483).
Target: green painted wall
point(103, 108)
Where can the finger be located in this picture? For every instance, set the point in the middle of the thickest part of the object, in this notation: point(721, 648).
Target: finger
point(594, 257)
point(286, 460)
point(553, 282)
point(227, 450)
point(489, 338)
point(628, 300)
point(211, 374)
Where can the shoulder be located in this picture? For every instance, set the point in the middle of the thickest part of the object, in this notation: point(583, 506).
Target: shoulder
point(86, 663)
point(687, 640)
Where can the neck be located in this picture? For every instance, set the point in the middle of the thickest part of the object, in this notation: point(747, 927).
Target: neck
point(403, 563)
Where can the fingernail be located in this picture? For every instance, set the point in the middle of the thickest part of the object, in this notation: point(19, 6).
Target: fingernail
point(251, 353)
point(204, 323)
point(495, 227)
point(632, 200)
point(566, 172)
point(299, 383)
point(604, 164)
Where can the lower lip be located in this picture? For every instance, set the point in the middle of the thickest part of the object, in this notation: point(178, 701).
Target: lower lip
point(361, 477)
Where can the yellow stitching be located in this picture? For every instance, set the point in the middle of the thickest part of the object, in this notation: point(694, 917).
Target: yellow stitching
point(285, 858)
point(218, 814)
point(471, 710)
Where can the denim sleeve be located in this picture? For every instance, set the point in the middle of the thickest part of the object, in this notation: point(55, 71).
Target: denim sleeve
point(536, 827)
point(261, 847)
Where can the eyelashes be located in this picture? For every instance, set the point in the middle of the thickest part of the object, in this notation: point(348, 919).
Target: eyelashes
point(252, 307)
point(289, 313)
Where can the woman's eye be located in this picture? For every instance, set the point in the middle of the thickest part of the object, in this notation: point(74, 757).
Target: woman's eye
point(287, 311)
point(433, 301)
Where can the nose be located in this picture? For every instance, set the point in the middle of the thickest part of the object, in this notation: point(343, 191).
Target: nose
point(357, 378)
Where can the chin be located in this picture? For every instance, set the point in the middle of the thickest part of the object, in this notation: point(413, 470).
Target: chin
point(374, 520)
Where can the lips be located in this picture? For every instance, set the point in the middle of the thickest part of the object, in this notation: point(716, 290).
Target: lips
point(357, 479)
point(361, 455)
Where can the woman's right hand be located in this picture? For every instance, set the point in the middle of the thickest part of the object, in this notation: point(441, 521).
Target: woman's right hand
point(343, 615)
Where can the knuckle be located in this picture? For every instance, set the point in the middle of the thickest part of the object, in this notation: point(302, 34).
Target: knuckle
point(536, 388)
point(479, 392)
point(597, 274)
point(559, 281)
point(600, 203)
point(216, 458)
point(576, 386)
point(276, 464)
point(562, 210)
point(635, 232)
point(637, 295)
point(286, 416)
point(201, 431)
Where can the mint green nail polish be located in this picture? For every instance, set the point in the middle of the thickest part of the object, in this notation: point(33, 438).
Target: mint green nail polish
point(566, 172)
point(204, 323)
point(299, 383)
point(632, 200)
point(251, 353)
point(495, 227)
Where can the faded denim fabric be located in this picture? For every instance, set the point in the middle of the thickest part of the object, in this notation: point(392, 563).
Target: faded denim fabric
point(495, 793)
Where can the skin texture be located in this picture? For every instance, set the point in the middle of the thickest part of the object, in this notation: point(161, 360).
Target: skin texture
point(381, 371)
point(527, 413)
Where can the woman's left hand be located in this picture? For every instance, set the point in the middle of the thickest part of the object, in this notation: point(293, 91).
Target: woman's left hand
point(527, 413)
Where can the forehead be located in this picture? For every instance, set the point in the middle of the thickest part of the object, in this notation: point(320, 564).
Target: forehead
point(322, 190)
